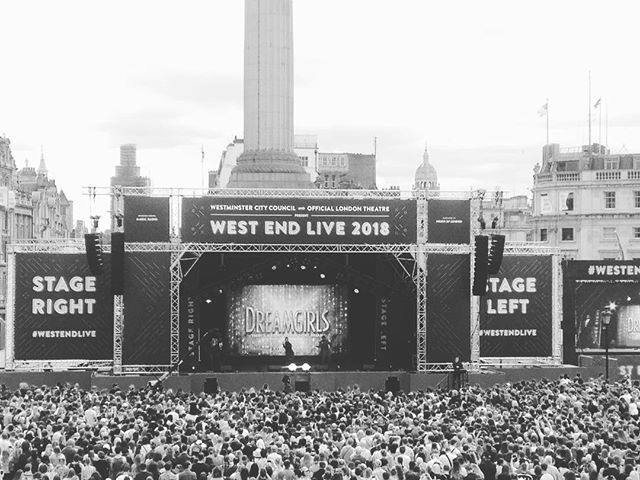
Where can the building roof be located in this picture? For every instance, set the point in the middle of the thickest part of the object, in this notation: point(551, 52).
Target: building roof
point(426, 172)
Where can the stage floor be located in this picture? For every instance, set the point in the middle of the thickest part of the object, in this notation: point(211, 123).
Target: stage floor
point(327, 381)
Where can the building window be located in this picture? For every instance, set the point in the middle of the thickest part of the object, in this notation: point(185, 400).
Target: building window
point(567, 234)
point(569, 202)
point(636, 232)
point(304, 161)
point(636, 199)
point(543, 235)
point(608, 234)
point(609, 199)
point(611, 163)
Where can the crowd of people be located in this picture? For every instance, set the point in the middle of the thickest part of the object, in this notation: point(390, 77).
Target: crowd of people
point(532, 430)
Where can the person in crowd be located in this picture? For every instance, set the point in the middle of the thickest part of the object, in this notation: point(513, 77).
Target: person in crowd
point(568, 429)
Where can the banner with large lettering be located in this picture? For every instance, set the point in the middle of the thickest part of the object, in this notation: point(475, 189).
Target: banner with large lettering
point(516, 314)
point(146, 219)
point(62, 311)
point(261, 316)
point(599, 289)
point(448, 221)
point(298, 220)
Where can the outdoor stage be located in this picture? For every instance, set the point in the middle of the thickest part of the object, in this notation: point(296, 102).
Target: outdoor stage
point(325, 381)
point(393, 281)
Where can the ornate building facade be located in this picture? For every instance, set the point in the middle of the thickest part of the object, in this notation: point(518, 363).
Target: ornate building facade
point(587, 202)
point(31, 207)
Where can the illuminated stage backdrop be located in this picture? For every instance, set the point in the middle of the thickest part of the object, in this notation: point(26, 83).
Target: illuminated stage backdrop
point(260, 316)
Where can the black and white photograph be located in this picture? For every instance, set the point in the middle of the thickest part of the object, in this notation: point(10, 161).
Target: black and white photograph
point(319, 240)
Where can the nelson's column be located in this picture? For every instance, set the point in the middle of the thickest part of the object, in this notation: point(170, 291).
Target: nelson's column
point(268, 160)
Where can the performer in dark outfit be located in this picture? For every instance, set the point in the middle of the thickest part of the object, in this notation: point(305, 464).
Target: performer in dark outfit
point(215, 353)
point(458, 370)
point(288, 351)
point(324, 348)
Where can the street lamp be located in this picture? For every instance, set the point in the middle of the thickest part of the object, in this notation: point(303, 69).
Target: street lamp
point(606, 320)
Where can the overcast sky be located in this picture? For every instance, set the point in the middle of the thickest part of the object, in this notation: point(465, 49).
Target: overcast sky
point(468, 77)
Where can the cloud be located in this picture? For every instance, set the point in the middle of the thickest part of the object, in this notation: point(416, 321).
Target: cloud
point(204, 89)
point(156, 128)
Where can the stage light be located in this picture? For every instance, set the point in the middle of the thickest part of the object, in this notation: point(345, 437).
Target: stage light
point(303, 267)
point(628, 299)
point(322, 275)
point(208, 300)
point(292, 367)
point(356, 290)
point(220, 291)
point(288, 265)
point(612, 306)
point(305, 367)
point(274, 267)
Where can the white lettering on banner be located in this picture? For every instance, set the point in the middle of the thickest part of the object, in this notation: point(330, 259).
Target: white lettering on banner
point(64, 334)
point(509, 306)
point(292, 228)
point(614, 270)
point(59, 284)
point(504, 306)
point(63, 306)
point(287, 321)
point(530, 332)
point(234, 227)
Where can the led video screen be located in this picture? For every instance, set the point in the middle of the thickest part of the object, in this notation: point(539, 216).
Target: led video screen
point(261, 316)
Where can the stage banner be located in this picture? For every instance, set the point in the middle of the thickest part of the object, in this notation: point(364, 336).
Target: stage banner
point(298, 220)
point(146, 219)
point(628, 366)
point(62, 311)
point(608, 288)
point(448, 308)
point(383, 304)
point(147, 309)
point(261, 316)
point(449, 221)
point(516, 314)
point(190, 332)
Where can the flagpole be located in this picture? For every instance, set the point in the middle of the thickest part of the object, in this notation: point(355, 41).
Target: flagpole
point(547, 121)
point(589, 112)
point(606, 126)
point(599, 123)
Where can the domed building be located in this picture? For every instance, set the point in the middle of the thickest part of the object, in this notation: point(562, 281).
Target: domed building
point(426, 176)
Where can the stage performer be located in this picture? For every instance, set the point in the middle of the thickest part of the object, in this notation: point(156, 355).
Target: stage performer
point(458, 370)
point(286, 384)
point(215, 353)
point(288, 351)
point(324, 348)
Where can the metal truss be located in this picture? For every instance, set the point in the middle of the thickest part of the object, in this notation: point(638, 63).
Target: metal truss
point(519, 361)
point(60, 365)
point(10, 313)
point(182, 248)
point(277, 193)
point(529, 248)
point(556, 302)
point(118, 323)
point(174, 293)
point(145, 369)
point(420, 280)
